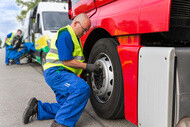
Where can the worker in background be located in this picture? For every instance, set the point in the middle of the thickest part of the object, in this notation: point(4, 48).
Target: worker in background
point(64, 62)
point(8, 41)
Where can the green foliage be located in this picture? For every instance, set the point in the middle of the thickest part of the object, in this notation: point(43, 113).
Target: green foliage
point(64, 1)
point(29, 4)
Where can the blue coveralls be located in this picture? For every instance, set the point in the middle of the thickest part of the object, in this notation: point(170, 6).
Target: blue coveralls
point(71, 92)
point(6, 54)
point(15, 54)
point(7, 51)
point(10, 54)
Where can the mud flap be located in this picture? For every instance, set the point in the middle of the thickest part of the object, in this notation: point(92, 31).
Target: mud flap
point(182, 94)
point(155, 86)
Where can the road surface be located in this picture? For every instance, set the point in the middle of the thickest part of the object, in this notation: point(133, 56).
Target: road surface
point(18, 83)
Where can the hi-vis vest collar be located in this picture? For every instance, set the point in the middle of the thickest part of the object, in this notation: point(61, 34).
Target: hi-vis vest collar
point(8, 41)
point(52, 58)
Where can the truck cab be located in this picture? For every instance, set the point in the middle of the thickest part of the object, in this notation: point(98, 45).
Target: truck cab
point(42, 23)
point(143, 47)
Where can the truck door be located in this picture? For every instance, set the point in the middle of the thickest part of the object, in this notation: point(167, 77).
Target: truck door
point(38, 34)
point(84, 6)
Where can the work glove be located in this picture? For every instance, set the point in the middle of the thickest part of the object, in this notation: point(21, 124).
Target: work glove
point(93, 68)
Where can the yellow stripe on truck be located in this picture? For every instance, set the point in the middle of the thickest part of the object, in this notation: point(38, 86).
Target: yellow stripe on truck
point(42, 42)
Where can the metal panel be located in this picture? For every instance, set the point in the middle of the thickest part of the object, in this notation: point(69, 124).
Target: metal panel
point(129, 61)
point(120, 17)
point(80, 6)
point(155, 86)
point(102, 2)
point(154, 16)
point(182, 83)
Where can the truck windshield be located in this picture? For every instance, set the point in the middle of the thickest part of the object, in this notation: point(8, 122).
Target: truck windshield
point(55, 20)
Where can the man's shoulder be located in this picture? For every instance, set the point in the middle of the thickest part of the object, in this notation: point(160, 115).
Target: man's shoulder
point(65, 34)
point(9, 35)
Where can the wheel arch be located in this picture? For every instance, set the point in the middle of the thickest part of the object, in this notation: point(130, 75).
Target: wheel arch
point(93, 37)
point(108, 45)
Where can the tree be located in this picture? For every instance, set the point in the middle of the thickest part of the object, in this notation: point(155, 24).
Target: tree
point(29, 4)
point(54, 0)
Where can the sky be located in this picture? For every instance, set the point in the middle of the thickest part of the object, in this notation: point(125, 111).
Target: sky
point(8, 22)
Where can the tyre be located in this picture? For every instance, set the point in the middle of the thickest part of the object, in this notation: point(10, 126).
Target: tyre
point(107, 96)
point(29, 58)
point(43, 60)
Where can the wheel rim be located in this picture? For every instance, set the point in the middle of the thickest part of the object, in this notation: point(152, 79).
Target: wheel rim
point(103, 83)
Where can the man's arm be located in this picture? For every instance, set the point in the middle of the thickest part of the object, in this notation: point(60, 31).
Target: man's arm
point(5, 38)
point(8, 36)
point(74, 63)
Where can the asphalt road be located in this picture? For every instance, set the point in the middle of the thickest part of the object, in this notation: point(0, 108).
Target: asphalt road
point(18, 83)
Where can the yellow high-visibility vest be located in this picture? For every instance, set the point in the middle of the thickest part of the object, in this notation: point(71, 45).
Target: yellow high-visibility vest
point(52, 58)
point(8, 41)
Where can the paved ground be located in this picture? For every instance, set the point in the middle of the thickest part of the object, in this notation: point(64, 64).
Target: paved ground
point(18, 83)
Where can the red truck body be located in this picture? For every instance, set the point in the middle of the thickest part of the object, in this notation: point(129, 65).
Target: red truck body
point(126, 21)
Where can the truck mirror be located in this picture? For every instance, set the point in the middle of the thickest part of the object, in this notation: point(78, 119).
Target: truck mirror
point(35, 28)
point(69, 4)
point(40, 30)
point(70, 8)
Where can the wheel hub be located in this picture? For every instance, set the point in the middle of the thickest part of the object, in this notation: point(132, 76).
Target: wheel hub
point(102, 82)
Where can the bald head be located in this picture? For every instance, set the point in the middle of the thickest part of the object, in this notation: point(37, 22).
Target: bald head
point(82, 18)
point(81, 24)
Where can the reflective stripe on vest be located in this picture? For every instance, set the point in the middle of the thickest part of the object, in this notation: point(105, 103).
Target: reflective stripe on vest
point(8, 41)
point(52, 58)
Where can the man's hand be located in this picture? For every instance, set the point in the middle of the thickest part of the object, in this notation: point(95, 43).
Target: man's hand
point(92, 67)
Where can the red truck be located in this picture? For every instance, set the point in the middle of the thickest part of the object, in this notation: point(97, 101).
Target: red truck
point(143, 47)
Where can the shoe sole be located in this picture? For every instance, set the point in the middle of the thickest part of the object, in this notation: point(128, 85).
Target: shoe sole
point(31, 103)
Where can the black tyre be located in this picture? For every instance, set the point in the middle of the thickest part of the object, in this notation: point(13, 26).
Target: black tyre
point(107, 97)
point(29, 60)
point(43, 60)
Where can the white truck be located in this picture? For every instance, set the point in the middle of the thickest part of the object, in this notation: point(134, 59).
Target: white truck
point(42, 23)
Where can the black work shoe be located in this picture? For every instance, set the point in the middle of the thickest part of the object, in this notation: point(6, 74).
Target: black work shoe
point(31, 111)
point(55, 124)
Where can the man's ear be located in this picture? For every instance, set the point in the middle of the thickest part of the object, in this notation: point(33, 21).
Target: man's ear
point(75, 23)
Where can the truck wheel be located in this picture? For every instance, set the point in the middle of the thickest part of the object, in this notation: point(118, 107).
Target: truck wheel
point(43, 60)
point(29, 60)
point(107, 97)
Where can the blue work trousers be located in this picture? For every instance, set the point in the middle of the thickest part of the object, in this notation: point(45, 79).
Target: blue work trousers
point(11, 54)
point(7, 54)
point(71, 93)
